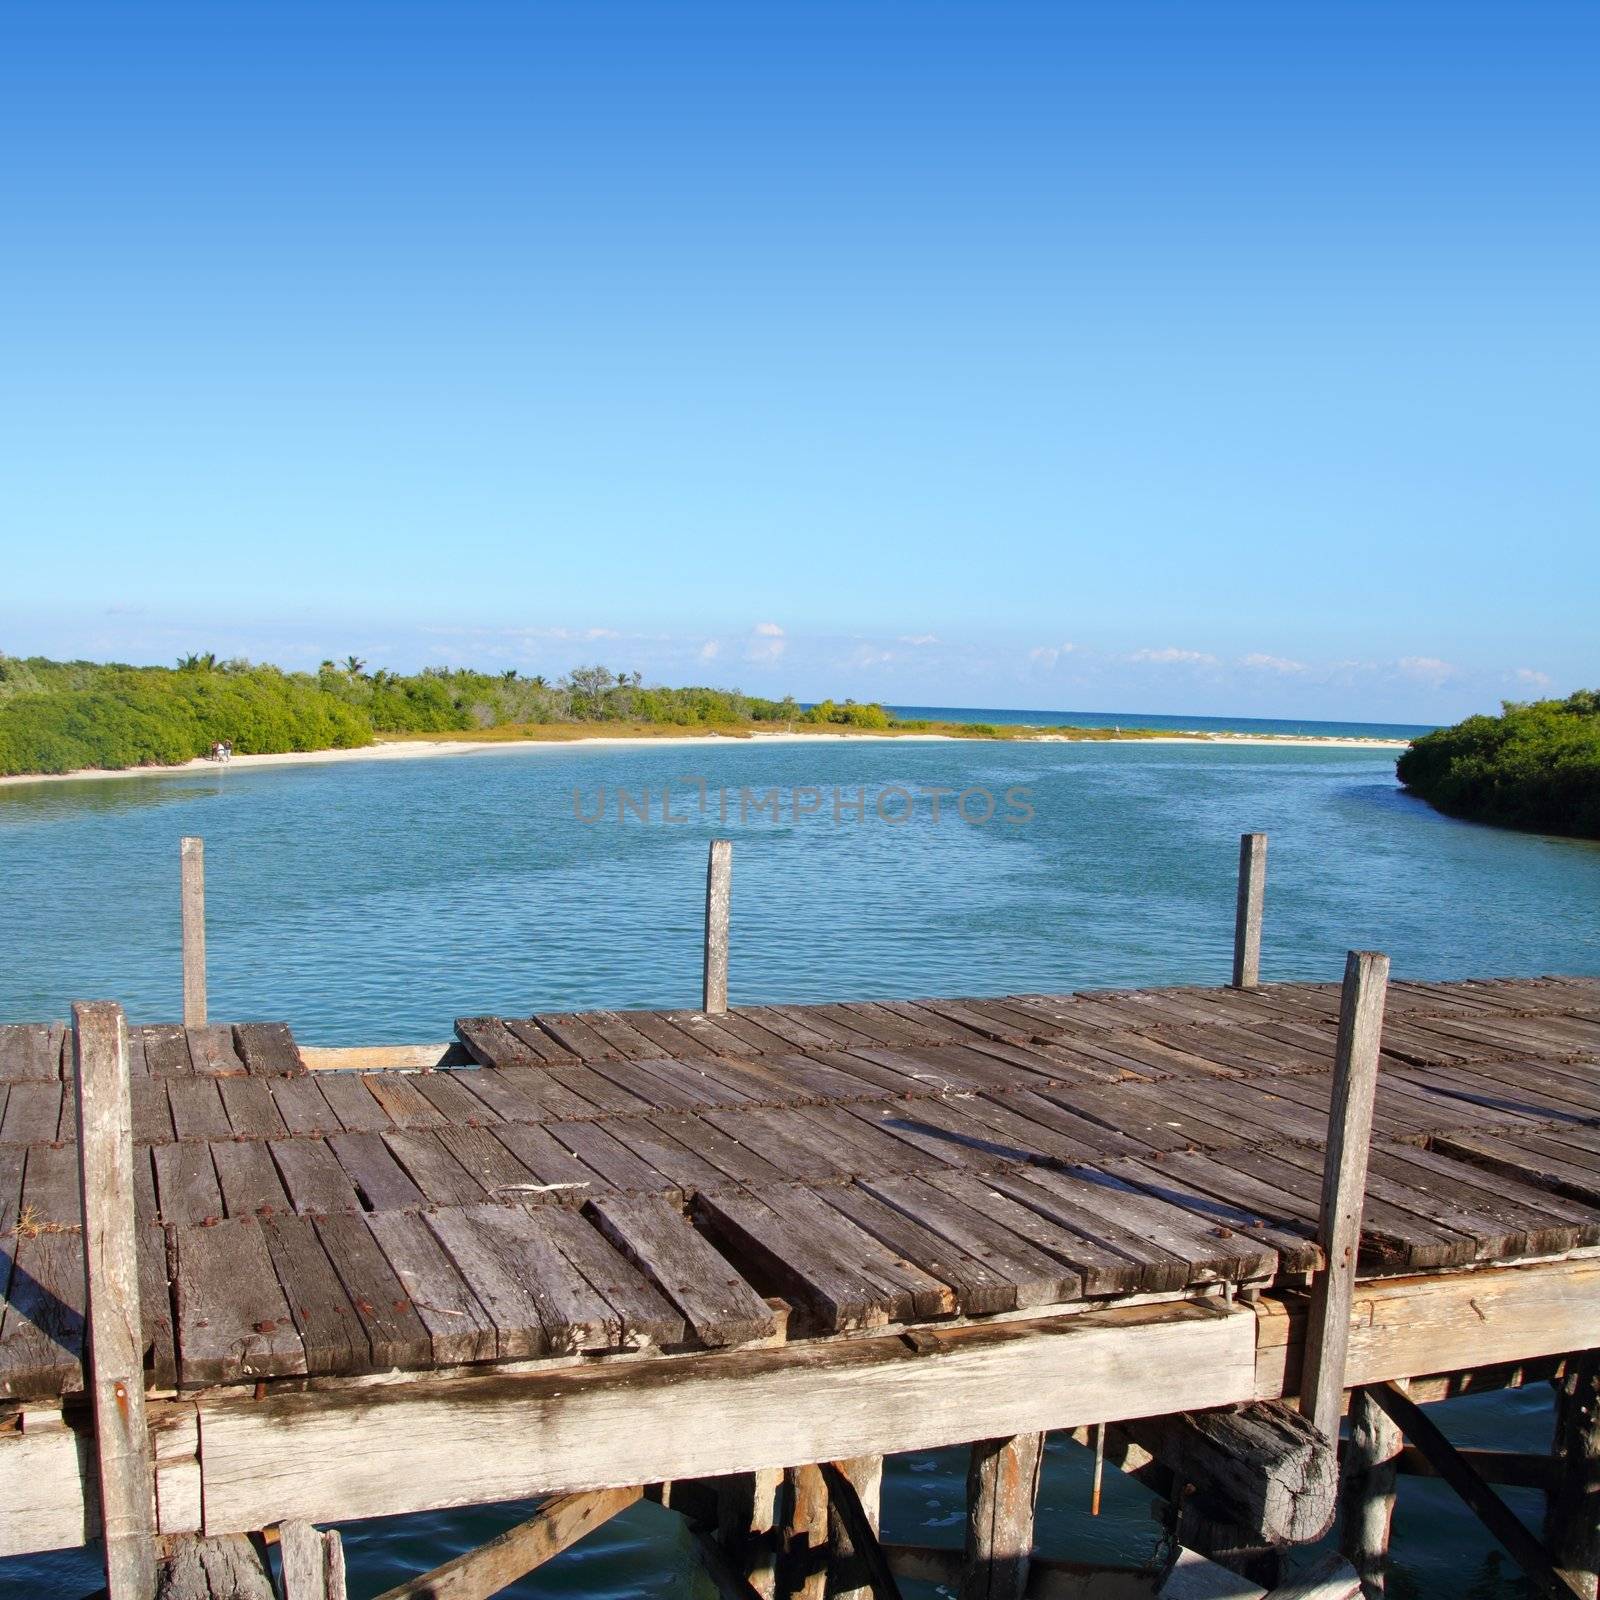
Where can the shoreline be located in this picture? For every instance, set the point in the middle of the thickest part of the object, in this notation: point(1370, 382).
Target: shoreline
point(425, 749)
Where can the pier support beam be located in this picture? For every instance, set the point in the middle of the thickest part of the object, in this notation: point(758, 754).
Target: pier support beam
point(1371, 1465)
point(1572, 1527)
point(224, 1568)
point(192, 857)
point(1344, 1183)
point(1248, 912)
point(1002, 1487)
point(114, 1345)
point(803, 1557)
point(719, 897)
point(1262, 1468)
point(1482, 1501)
point(851, 1579)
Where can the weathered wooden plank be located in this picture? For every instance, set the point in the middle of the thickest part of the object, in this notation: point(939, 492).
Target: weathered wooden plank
point(313, 1177)
point(41, 1338)
point(32, 1114)
point(248, 1179)
point(392, 1326)
point(379, 1178)
point(461, 1330)
point(433, 1169)
point(720, 1306)
point(212, 1049)
point(251, 1111)
point(30, 1052)
point(645, 1315)
point(197, 1109)
point(267, 1048)
point(166, 1050)
point(329, 1326)
point(186, 1183)
point(233, 1319)
point(729, 1412)
point(301, 1104)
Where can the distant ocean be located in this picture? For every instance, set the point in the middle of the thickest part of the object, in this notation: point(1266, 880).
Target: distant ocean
point(1177, 724)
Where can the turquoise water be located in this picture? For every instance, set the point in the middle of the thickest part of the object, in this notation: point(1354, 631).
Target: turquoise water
point(377, 901)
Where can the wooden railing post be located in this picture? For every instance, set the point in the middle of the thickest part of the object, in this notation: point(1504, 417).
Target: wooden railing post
point(114, 1344)
point(192, 853)
point(1247, 913)
point(719, 888)
point(1344, 1183)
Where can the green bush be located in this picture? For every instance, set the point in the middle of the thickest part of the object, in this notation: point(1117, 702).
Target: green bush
point(58, 716)
point(1535, 766)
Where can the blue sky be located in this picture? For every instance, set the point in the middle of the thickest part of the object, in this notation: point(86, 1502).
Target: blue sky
point(1208, 358)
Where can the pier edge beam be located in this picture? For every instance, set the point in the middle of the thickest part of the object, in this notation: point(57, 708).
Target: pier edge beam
point(114, 1345)
point(1367, 1491)
point(719, 895)
point(192, 862)
point(1002, 1488)
point(1249, 909)
point(1572, 1522)
point(1344, 1182)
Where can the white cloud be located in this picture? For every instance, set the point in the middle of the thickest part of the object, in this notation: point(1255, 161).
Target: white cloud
point(1046, 655)
point(601, 633)
point(709, 650)
point(1258, 662)
point(1540, 680)
point(766, 643)
point(1171, 655)
point(1426, 669)
point(870, 656)
point(918, 638)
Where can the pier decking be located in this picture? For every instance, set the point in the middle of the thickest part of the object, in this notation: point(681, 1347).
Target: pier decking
point(608, 1181)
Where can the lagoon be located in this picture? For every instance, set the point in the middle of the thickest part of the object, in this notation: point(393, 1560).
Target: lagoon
point(367, 902)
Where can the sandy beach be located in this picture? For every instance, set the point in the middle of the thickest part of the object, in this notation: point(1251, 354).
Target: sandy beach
point(420, 749)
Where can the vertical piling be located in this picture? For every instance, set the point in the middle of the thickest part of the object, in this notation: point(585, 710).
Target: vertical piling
point(719, 890)
point(853, 1581)
point(1367, 1490)
point(192, 853)
point(1572, 1525)
point(1002, 1486)
point(1344, 1183)
point(1248, 911)
point(114, 1345)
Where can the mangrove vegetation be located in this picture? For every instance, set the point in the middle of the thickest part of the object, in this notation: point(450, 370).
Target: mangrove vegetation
point(1535, 766)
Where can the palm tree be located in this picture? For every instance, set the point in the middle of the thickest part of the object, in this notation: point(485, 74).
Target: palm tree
point(354, 665)
point(509, 675)
point(193, 662)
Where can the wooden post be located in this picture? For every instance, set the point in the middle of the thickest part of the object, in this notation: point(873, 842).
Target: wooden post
point(859, 1530)
point(1247, 914)
point(192, 854)
point(1371, 1464)
point(802, 1562)
point(1485, 1504)
point(114, 1346)
point(719, 889)
point(1344, 1183)
point(1572, 1526)
point(1002, 1485)
point(852, 1580)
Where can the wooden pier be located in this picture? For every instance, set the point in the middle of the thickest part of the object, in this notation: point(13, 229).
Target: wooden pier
point(730, 1259)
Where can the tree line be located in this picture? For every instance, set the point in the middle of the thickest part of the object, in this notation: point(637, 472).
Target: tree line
point(60, 716)
point(1535, 766)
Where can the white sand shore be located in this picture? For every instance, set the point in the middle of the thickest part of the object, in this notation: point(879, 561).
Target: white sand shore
point(422, 749)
